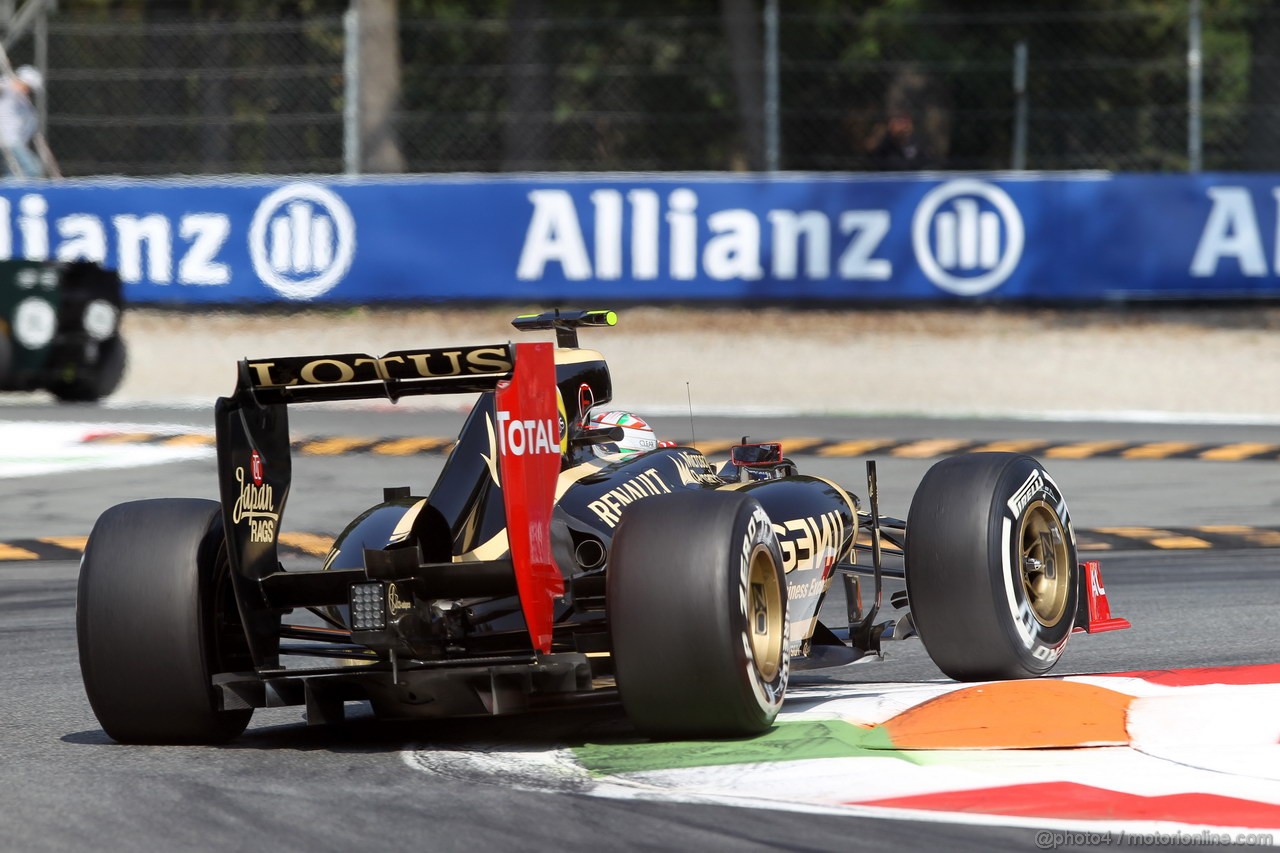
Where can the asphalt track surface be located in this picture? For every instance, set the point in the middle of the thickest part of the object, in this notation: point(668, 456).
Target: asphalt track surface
point(285, 786)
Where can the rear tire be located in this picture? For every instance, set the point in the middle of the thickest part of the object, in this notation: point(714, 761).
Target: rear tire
point(697, 606)
point(100, 380)
point(6, 359)
point(155, 620)
point(991, 567)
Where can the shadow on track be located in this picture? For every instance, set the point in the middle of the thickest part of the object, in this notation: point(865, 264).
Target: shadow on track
point(362, 732)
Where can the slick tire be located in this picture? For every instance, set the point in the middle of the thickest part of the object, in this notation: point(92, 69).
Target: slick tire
point(155, 619)
point(991, 567)
point(99, 381)
point(6, 358)
point(697, 607)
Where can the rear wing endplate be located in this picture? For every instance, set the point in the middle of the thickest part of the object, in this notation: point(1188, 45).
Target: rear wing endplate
point(528, 426)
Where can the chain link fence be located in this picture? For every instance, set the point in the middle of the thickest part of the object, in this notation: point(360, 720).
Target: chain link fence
point(861, 86)
point(207, 97)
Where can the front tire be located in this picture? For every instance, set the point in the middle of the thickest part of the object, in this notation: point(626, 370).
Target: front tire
point(697, 606)
point(991, 567)
point(155, 620)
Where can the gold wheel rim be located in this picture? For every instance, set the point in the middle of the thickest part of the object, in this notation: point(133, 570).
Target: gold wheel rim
point(764, 613)
point(1045, 563)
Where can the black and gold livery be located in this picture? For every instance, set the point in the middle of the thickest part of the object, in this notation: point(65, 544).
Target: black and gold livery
point(687, 589)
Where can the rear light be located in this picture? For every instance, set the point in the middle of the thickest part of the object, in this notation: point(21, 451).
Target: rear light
point(368, 607)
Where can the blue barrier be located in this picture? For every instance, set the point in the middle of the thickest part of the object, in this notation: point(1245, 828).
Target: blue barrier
point(591, 239)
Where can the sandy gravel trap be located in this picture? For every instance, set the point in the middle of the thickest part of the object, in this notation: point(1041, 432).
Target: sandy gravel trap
point(1152, 363)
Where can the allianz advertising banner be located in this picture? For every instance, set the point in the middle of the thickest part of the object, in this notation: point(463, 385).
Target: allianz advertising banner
point(591, 239)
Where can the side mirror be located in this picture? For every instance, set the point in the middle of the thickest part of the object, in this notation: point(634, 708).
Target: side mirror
point(586, 399)
point(754, 455)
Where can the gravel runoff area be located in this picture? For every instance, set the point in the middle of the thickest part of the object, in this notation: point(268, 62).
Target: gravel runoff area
point(1161, 363)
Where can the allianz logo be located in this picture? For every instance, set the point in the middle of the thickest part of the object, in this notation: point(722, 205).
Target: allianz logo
point(301, 241)
point(967, 237)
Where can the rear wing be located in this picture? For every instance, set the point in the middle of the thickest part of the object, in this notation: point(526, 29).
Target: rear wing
point(358, 376)
point(520, 420)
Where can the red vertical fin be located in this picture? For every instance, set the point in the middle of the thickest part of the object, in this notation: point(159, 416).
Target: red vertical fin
point(529, 458)
point(1100, 618)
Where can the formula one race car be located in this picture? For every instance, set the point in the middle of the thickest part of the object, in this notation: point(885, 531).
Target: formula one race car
point(543, 569)
point(60, 329)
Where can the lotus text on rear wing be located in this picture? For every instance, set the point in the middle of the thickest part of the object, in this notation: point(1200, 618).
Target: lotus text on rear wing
point(358, 367)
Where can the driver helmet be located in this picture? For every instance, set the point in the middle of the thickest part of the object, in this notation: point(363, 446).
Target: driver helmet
point(637, 436)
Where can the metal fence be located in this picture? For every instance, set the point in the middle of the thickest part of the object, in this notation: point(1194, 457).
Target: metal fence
point(141, 98)
point(861, 85)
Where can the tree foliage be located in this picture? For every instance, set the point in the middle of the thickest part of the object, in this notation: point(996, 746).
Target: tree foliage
point(256, 85)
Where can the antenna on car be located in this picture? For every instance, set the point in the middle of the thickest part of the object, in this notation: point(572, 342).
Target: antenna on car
point(693, 436)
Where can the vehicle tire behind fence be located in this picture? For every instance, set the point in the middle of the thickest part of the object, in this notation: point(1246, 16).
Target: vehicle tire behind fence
point(991, 567)
point(6, 359)
point(697, 607)
point(98, 381)
point(155, 619)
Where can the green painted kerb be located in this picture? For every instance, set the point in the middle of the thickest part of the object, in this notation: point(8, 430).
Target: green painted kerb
point(790, 741)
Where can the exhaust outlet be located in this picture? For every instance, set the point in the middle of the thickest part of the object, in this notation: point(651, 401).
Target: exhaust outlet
point(590, 554)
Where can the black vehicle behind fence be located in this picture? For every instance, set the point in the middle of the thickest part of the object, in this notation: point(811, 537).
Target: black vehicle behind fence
point(60, 329)
point(543, 570)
